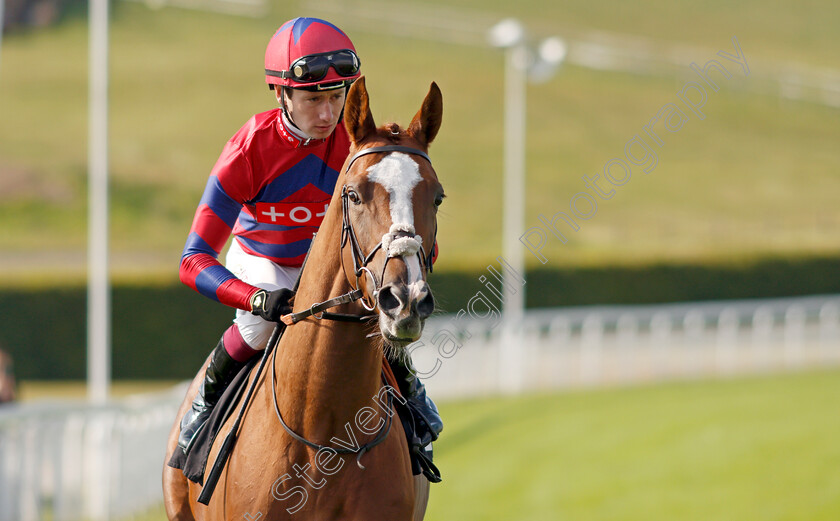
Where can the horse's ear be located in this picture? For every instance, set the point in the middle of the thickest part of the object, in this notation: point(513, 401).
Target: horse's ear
point(357, 117)
point(426, 123)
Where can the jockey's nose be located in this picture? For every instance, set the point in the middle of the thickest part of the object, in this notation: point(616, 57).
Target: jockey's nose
point(400, 301)
point(327, 112)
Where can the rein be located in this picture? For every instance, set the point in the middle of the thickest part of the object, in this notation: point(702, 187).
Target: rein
point(359, 451)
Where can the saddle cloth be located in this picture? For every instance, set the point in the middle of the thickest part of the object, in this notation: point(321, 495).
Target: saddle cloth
point(194, 462)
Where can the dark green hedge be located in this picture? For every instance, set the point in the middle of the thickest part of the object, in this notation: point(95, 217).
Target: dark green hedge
point(158, 332)
point(166, 331)
point(550, 287)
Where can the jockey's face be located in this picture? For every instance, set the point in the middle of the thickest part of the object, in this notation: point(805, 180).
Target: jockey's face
point(315, 113)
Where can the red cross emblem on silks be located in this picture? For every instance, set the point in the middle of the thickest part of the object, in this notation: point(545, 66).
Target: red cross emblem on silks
point(292, 214)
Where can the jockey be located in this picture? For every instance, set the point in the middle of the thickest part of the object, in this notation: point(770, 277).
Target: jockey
point(270, 188)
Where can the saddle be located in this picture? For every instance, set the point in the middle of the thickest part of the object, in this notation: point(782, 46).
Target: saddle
point(418, 435)
point(194, 461)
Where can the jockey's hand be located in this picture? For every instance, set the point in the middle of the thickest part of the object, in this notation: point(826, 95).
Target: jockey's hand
point(271, 305)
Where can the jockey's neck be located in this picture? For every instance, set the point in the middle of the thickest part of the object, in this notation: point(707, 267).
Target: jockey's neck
point(303, 139)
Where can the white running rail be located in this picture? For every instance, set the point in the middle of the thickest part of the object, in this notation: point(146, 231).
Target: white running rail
point(614, 345)
point(69, 461)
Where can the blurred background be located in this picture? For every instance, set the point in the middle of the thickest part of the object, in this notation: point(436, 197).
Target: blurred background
point(678, 357)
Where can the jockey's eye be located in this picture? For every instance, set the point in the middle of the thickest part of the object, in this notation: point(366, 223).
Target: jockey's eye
point(354, 197)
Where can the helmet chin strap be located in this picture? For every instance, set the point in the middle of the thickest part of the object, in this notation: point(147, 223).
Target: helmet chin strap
point(293, 126)
point(283, 104)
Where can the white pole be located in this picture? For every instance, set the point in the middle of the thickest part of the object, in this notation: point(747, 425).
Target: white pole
point(99, 306)
point(513, 212)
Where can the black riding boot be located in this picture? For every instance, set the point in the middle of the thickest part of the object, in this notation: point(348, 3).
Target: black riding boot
point(220, 371)
point(425, 424)
point(413, 389)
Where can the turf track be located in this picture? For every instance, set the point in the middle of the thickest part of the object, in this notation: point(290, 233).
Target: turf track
point(753, 449)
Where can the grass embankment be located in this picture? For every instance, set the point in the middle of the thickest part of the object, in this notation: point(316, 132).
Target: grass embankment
point(758, 449)
point(755, 177)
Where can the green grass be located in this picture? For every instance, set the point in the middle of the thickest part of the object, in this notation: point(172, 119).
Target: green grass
point(757, 177)
point(748, 449)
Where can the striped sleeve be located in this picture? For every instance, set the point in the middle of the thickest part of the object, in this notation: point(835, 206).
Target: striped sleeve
point(214, 218)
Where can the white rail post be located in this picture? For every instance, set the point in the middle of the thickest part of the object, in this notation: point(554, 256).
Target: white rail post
point(30, 498)
point(591, 340)
point(727, 339)
point(560, 334)
point(660, 336)
point(830, 332)
point(694, 336)
point(763, 320)
point(627, 338)
point(794, 335)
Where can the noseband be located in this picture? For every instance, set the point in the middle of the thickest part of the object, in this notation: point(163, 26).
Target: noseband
point(360, 260)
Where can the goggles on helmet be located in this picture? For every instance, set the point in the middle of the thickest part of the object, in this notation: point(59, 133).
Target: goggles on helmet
point(315, 67)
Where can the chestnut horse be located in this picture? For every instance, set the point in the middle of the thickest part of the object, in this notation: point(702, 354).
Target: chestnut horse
point(325, 376)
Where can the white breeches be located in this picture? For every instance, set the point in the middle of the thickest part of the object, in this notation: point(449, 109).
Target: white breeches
point(262, 273)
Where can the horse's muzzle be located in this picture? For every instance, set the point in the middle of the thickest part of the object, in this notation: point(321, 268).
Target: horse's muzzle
point(403, 308)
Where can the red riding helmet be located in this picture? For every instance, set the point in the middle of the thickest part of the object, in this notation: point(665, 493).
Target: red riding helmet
point(311, 53)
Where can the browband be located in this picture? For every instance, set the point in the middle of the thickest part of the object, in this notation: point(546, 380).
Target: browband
point(388, 148)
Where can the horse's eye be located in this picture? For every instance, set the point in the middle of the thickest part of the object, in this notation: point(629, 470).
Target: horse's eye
point(438, 200)
point(353, 196)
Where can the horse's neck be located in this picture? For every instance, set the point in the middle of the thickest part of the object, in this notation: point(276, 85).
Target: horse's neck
point(327, 370)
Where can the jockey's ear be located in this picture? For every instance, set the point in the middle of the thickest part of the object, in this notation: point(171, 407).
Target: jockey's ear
point(426, 123)
point(357, 117)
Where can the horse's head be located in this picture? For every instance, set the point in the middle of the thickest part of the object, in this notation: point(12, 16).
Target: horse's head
point(390, 199)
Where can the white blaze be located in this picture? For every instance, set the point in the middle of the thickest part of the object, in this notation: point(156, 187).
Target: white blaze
point(398, 174)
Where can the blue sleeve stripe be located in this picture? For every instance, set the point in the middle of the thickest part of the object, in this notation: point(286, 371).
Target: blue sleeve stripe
point(195, 244)
point(209, 280)
point(220, 202)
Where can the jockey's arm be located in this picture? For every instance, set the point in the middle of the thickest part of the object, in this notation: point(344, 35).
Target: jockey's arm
point(224, 195)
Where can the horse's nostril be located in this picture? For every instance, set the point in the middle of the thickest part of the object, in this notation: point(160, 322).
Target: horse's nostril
point(426, 305)
point(387, 300)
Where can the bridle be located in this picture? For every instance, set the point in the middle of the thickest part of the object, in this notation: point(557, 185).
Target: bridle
point(360, 260)
point(348, 234)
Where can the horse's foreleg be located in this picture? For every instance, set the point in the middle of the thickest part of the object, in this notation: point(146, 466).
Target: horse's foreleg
point(176, 493)
point(421, 497)
point(176, 487)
